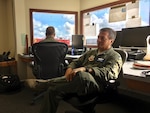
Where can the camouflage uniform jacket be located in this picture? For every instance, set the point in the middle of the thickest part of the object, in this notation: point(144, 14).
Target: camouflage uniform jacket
point(106, 65)
point(49, 39)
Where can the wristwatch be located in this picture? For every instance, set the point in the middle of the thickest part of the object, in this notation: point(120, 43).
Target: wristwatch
point(86, 69)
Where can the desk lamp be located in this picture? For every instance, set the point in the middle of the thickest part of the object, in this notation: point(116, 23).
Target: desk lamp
point(147, 56)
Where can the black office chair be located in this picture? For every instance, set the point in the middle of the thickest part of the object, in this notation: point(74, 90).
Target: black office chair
point(87, 103)
point(49, 59)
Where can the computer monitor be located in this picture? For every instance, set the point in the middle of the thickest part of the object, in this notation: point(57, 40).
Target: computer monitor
point(117, 41)
point(77, 41)
point(135, 37)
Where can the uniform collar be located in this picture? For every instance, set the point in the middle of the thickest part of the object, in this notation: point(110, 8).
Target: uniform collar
point(49, 37)
point(105, 52)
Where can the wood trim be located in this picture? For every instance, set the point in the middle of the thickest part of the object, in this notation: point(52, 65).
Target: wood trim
point(8, 63)
point(138, 85)
point(12, 63)
point(51, 11)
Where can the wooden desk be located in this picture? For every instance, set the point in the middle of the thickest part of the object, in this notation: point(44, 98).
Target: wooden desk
point(26, 58)
point(9, 64)
point(134, 79)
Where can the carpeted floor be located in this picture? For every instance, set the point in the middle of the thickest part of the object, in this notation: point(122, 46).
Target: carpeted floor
point(19, 102)
point(124, 105)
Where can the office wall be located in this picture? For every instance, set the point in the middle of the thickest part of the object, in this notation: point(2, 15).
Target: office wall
point(7, 38)
point(10, 28)
point(86, 4)
point(3, 34)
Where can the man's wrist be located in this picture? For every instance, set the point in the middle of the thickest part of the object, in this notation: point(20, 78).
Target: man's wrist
point(89, 70)
point(86, 69)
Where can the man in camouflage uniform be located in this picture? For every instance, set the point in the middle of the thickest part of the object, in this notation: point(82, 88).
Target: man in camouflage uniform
point(85, 75)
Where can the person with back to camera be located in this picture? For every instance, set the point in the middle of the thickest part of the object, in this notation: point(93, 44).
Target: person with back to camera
point(84, 76)
point(50, 35)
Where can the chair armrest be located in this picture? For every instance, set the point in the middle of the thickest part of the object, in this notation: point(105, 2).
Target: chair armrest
point(112, 84)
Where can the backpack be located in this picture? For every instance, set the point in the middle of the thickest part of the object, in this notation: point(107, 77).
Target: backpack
point(9, 83)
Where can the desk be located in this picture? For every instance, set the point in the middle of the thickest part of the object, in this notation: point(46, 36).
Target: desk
point(9, 64)
point(29, 58)
point(26, 58)
point(134, 79)
point(72, 56)
point(25, 61)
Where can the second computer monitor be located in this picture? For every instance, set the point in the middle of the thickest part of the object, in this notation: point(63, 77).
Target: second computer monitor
point(135, 37)
point(77, 41)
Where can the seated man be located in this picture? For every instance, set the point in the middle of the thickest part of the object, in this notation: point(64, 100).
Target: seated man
point(85, 75)
point(50, 37)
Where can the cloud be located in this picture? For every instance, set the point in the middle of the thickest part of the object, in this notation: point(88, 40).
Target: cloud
point(39, 29)
point(104, 22)
point(70, 17)
point(144, 23)
point(95, 19)
point(64, 31)
point(69, 28)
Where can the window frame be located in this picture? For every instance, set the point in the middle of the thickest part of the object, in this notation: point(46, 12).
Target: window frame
point(51, 11)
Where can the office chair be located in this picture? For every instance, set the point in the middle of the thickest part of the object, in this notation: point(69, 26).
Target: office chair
point(87, 103)
point(49, 59)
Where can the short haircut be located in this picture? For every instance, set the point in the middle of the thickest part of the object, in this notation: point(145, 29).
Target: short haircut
point(50, 30)
point(112, 33)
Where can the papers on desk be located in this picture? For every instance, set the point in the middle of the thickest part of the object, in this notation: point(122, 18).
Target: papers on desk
point(27, 56)
point(73, 56)
point(142, 65)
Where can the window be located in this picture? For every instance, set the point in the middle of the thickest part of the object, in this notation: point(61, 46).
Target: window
point(97, 18)
point(65, 23)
